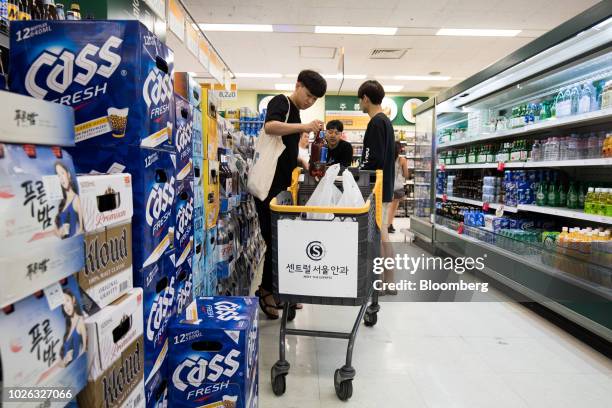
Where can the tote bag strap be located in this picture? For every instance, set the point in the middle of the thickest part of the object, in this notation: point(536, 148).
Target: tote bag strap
point(288, 110)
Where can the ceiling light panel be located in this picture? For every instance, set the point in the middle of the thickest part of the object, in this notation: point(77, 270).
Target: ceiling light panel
point(473, 32)
point(421, 78)
point(237, 27)
point(355, 30)
point(257, 75)
point(284, 87)
point(393, 88)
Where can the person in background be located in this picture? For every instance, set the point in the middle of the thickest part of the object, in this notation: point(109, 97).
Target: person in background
point(283, 120)
point(304, 153)
point(401, 174)
point(379, 154)
point(339, 151)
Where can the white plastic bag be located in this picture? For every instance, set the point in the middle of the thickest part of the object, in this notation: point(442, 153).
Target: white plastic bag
point(351, 197)
point(325, 195)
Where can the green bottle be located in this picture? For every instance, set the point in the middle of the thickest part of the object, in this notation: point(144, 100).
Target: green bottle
point(603, 200)
point(541, 195)
point(609, 205)
point(589, 200)
point(562, 196)
point(572, 196)
point(581, 195)
point(553, 195)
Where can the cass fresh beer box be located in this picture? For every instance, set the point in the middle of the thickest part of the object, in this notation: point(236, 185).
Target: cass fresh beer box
point(153, 193)
point(188, 88)
point(183, 212)
point(117, 76)
point(183, 138)
point(41, 219)
point(44, 341)
point(214, 353)
point(183, 286)
point(106, 200)
point(115, 358)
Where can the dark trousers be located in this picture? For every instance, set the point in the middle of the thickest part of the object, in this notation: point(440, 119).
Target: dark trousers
point(265, 223)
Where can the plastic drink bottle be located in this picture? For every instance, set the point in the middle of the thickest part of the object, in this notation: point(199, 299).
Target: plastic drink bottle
point(572, 196)
point(314, 166)
point(553, 195)
point(562, 196)
point(609, 205)
point(603, 200)
point(581, 195)
point(588, 201)
point(541, 196)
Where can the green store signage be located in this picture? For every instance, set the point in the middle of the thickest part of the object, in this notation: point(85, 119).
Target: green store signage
point(398, 108)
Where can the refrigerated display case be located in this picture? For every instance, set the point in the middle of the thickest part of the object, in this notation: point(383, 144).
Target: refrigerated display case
point(516, 148)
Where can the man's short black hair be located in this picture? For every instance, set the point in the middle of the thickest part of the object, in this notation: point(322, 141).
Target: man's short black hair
point(373, 90)
point(335, 125)
point(313, 81)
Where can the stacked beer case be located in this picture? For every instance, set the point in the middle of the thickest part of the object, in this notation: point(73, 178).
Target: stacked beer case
point(118, 78)
point(41, 230)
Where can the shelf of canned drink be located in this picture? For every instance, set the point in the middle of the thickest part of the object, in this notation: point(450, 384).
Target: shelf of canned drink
point(585, 265)
point(565, 212)
point(478, 203)
point(534, 164)
point(589, 117)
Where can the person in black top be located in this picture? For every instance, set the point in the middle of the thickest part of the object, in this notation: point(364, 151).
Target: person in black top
point(379, 154)
point(283, 120)
point(339, 151)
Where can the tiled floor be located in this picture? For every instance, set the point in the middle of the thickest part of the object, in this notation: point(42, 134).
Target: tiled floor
point(493, 354)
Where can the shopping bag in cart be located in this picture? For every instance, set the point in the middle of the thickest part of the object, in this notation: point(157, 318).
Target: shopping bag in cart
point(325, 195)
point(351, 195)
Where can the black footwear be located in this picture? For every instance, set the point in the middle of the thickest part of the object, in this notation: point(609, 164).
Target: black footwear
point(265, 306)
point(391, 229)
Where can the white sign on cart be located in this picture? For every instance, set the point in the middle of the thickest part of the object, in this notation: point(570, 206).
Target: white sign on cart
point(318, 258)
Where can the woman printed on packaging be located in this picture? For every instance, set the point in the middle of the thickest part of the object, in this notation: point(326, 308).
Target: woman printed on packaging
point(75, 336)
point(69, 219)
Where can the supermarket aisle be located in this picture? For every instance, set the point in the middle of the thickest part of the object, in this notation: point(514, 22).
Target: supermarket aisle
point(439, 355)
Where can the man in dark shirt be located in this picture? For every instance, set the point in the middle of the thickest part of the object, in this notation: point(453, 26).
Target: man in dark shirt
point(339, 151)
point(379, 153)
point(283, 120)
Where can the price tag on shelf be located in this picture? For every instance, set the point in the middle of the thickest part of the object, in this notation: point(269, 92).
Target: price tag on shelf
point(442, 167)
point(485, 206)
point(444, 198)
point(460, 228)
point(501, 166)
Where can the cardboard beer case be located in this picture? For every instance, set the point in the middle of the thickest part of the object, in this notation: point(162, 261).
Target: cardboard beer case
point(153, 185)
point(159, 300)
point(210, 183)
point(28, 120)
point(213, 353)
point(117, 76)
point(116, 355)
point(183, 286)
point(183, 138)
point(36, 350)
point(210, 264)
point(210, 133)
point(183, 212)
point(106, 200)
point(188, 88)
point(41, 226)
point(199, 253)
point(198, 149)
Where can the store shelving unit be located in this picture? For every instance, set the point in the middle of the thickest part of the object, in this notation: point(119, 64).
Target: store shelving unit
point(577, 285)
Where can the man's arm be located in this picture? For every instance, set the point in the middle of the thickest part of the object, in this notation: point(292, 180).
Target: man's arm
point(373, 148)
point(347, 155)
point(277, 128)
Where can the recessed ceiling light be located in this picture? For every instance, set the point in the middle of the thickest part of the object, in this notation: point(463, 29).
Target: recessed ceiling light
point(474, 32)
point(284, 87)
point(257, 75)
point(393, 88)
point(237, 27)
point(355, 30)
point(421, 78)
point(290, 75)
point(346, 76)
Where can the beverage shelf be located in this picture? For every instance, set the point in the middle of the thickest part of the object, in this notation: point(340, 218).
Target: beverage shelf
point(478, 203)
point(566, 212)
point(534, 164)
point(582, 119)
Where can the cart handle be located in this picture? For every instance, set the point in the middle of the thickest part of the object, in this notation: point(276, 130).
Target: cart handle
point(274, 206)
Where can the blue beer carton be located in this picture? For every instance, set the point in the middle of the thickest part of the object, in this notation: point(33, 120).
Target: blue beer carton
point(158, 285)
point(153, 183)
point(188, 88)
point(199, 253)
point(213, 353)
point(183, 287)
point(198, 149)
point(183, 137)
point(44, 341)
point(116, 75)
point(183, 212)
point(42, 219)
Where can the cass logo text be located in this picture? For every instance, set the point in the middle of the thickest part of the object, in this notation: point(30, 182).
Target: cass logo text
point(183, 218)
point(66, 68)
point(194, 373)
point(160, 200)
point(157, 90)
point(160, 311)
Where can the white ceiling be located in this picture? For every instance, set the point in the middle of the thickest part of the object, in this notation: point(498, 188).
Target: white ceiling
point(457, 57)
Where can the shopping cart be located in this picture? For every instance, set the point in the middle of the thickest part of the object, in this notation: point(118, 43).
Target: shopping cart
point(325, 262)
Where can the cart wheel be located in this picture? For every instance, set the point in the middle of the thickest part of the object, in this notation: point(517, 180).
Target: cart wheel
point(370, 319)
point(279, 384)
point(291, 314)
point(344, 389)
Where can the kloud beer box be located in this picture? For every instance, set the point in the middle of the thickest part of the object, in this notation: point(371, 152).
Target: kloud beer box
point(183, 213)
point(116, 75)
point(213, 358)
point(158, 282)
point(183, 138)
point(41, 219)
point(44, 342)
point(153, 194)
point(106, 201)
point(116, 355)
